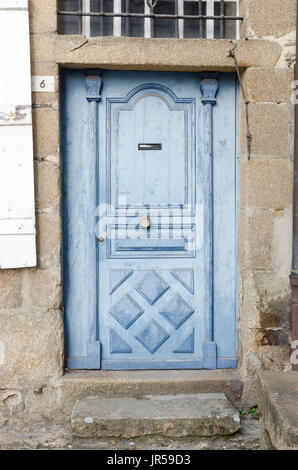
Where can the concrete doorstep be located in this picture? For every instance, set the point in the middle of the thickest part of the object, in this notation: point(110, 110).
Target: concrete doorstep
point(208, 414)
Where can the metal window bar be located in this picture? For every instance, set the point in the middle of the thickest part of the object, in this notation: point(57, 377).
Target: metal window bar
point(101, 18)
point(201, 21)
point(222, 23)
point(176, 21)
point(127, 19)
point(210, 17)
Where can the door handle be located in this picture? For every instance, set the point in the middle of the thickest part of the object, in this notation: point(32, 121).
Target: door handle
point(145, 222)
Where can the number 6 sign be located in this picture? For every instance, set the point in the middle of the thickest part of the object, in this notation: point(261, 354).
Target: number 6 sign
point(41, 84)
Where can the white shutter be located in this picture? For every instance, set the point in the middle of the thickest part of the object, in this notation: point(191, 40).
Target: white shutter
point(17, 214)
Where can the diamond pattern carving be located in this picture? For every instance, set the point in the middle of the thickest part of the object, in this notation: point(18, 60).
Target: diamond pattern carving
point(126, 311)
point(152, 287)
point(152, 336)
point(186, 277)
point(117, 277)
point(177, 311)
point(117, 344)
point(187, 345)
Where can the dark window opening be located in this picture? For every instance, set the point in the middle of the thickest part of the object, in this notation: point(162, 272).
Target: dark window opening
point(210, 19)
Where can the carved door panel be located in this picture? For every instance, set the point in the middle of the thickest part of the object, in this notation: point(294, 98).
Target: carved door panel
point(165, 236)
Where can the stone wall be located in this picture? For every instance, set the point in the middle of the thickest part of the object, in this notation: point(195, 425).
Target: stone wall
point(266, 187)
point(31, 316)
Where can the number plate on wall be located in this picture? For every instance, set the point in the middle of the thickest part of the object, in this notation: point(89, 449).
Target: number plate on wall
point(41, 84)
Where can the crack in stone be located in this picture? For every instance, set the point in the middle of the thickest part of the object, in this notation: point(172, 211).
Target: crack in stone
point(79, 47)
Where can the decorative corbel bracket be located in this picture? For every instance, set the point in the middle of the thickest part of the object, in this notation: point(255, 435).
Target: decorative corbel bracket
point(209, 87)
point(93, 85)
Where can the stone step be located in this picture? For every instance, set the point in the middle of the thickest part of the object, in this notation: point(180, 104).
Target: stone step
point(277, 401)
point(208, 414)
point(135, 384)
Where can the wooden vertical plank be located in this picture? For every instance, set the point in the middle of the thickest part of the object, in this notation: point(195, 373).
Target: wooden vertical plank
point(225, 179)
point(209, 86)
point(78, 298)
point(93, 88)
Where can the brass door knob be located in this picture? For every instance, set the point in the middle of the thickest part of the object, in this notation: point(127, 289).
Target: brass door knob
point(101, 239)
point(145, 222)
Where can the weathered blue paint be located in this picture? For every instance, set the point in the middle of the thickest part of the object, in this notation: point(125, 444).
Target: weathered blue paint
point(117, 344)
point(152, 287)
point(152, 336)
point(126, 311)
point(177, 311)
point(187, 345)
point(225, 192)
point(117, 277)
point(209, 87)
point(79, 205)
point(185, 276)
point(154, 304)
point(155, 364)
point(93, 90)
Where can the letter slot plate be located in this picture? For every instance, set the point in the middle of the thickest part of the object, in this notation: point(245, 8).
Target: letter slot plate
point(149, 146)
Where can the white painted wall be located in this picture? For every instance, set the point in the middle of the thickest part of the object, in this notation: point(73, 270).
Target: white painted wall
point(17, 212)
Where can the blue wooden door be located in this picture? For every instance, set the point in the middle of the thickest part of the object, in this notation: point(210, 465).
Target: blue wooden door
point(149, 214)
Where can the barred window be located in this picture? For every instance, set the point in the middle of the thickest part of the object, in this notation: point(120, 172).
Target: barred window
point(150, 18)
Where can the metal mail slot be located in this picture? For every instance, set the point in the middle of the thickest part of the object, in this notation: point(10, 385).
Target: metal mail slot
point(150, 147)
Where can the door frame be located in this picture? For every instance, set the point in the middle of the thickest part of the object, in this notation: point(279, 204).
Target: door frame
point(93, 96)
